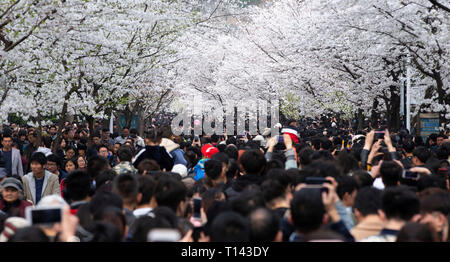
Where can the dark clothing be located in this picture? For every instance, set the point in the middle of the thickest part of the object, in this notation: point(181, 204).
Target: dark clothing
point(338, 227)
point(407, 162)
point(16, 208)
point(62, 175)
point(157, 153)
point(281, 211)
point(39, 185)
point(7, 157)
point(29, 150)
point(74, 206)
point(129, 216)
point(242, 182)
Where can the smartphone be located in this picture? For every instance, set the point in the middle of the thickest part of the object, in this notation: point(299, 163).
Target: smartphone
point(197, 208)
point(163, 235)
point(317, 186)
point(280, 139)
point(410, 175)
point(196, 138)
point(379, 135)
point(316, 180)
point(43, 215)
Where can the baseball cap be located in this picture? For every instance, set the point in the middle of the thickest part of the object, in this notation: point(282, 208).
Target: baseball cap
point(209, 150)
point(12, 182)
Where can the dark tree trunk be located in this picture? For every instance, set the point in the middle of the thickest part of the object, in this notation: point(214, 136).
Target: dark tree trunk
point(360, 119)
point(374, 114)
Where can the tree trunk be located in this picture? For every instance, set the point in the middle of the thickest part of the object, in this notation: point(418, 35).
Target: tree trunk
point(39, 133)
point(374, 114)
point(360, 119)
point(141, 122)
point(393, 114)
point(61, 121)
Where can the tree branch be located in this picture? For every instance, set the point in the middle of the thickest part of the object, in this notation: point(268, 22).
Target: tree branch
point(436, 3)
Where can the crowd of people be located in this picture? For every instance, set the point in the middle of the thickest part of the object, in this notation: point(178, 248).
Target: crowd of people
point(316, 181)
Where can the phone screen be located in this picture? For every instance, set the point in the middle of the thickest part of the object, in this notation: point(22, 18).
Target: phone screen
point(316, 180)
point(410, 175)
point(46, 216)
point(197, 207)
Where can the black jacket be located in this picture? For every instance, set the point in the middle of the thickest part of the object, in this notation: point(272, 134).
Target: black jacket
point(157, 153)
point(241, 183)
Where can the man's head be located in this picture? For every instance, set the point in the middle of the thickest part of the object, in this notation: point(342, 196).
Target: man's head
point(96, 139)
point(399, 203)
point(264, 226)
point(125, 132)
point(32, 137)
point(421, 155)
point(116, 148)
point(229, 227)
point(347, 190)
point(127, 186)
point(307, 210)
point(7, 142)
point(253, 161)
point(70, 133)
point(47, 141)
point(105, 133)
point(12, 189)
point(52, 130)
point(78, 184)
point(96, 165)
point(171, 193)
point(146, 189)
point(37, 162)
point(367, 202)
point(214, 169)
point(124, 154)
point(153, 137)
point(440, 139)
point(53, 163)
point(434, 209)
point(391, 173)
point(273, 192)
point(103, 151)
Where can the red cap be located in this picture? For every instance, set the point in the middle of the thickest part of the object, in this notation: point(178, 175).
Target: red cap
point(208, 150)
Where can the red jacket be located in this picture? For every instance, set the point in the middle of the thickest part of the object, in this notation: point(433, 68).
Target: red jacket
point(21, 207)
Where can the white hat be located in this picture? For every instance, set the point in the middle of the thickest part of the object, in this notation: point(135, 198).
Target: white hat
point(180, 169)
point(11, 225)
point(261, 139)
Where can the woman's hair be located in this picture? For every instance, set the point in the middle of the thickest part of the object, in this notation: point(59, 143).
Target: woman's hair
point(73, 160)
